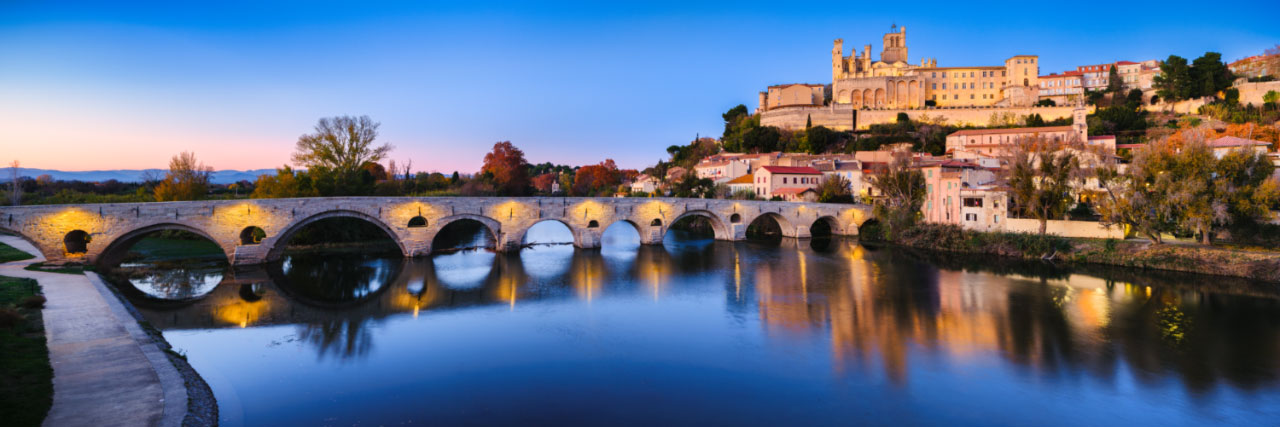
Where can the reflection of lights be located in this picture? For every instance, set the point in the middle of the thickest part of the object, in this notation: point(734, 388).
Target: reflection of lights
point(804, 278)
point(737, 277)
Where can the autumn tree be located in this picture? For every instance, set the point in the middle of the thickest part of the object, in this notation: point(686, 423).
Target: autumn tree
point(593, 179)
point(543, 183)
point(903, 191)
point(187, 179)
point(285, 183)
point(507, 166)
point(835, 189)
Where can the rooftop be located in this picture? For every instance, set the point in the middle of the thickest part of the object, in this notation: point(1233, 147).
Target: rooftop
point(1045, 129)
point(793, 170)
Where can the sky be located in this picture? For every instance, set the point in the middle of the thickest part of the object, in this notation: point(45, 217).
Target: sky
point(126, 85)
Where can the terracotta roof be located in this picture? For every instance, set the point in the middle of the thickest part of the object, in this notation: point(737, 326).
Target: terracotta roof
point(792, 170)
point(745, 179)
point(1045, 129)
point(1231, 141)
point(793, 190)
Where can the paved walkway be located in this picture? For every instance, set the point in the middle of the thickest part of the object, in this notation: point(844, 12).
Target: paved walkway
point(106, 370)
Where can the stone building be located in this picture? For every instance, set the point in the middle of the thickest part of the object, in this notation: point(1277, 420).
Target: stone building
point(893, 82)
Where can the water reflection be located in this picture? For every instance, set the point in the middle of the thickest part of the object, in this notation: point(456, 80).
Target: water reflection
point(883, 319)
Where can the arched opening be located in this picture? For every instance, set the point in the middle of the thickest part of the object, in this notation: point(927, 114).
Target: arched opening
point(593, 224)
point(822, 233)
point(691, 227)
point(823, 228)
point(464, 234)
point(252, 292)
point(170, 262)
point(765, 228)
point(549, 249)
point(76, 242)
point(252, 235)
point(548, 232)
point(735, 218)
point(871, 231)
point(620, 239)
point(417, 221)
point(655, 223)
point(337, 233)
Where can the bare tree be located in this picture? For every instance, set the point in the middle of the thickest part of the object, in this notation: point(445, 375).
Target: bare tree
point(15, 196)
point(341, 144)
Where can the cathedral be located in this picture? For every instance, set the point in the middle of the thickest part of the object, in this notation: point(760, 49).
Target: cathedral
point(892, 82)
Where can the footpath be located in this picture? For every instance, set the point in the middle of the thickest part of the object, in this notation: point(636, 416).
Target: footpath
point(106, 370)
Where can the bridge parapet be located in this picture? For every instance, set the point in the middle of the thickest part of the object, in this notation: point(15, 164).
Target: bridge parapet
point(103, 232)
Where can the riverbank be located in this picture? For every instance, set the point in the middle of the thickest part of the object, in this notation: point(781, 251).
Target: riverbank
point(107, 370)
point(1256, 264)
point(26, 379)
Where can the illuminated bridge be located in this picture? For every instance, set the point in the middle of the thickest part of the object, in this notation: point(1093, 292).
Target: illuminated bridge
point(255, 231)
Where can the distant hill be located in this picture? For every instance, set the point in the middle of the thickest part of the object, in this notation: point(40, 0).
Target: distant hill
point(133, 175)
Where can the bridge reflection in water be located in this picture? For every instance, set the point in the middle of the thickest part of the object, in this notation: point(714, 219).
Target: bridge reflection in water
point(855, 313)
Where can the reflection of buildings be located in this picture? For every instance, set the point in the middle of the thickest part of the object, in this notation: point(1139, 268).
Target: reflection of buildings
point(877, 313)
point(876, 309)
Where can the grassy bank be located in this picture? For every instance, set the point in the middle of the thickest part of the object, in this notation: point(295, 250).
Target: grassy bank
point(1251, 264)
point(8, 253)
point(26, 379)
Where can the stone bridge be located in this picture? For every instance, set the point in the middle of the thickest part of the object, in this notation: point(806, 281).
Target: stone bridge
point(255, 231)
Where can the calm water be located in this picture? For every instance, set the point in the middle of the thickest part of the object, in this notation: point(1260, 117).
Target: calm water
point(716, 333)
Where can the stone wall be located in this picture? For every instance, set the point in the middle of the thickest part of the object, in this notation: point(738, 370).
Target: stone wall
point(1083, 229)
point(1251, 93)
point(841, 117)
point(112, 228)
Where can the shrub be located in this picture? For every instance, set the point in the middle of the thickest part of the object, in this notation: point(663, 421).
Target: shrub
point(10, 317)
point(34, 302)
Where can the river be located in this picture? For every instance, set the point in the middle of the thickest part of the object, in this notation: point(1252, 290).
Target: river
point(823, 332)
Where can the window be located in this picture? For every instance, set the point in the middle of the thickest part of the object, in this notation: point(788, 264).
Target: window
point(784, 180)
point(970, 217)
point(972, 202)
point(944, 86)
point(935, 86)
point(995, 218)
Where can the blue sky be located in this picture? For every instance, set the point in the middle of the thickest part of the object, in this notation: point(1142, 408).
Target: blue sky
point(108, 86)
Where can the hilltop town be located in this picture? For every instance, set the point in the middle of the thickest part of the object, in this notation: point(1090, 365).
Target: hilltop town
point(979, 135)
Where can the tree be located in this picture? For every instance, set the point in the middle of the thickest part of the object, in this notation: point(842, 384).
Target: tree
point(1114, 85)
point(509, 169)
point(592, 180)
point(1271, 98)
point(1174, 81)
point(1210, 74)
point(187, 179)
point(1046, 103)
point(15, 194)
point(903, 190)
point(834, 189)
point(821, 139)
point(1040, 176)
point(543, 183)
point(286, 183)
point(341, 144)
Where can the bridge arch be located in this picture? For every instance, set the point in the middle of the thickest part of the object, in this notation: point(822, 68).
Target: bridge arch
point(118, 247)
point(825, 226)
point(492, 225)
point(785, 227)
point(277, 243)
point(523, 234)
point(718, 226)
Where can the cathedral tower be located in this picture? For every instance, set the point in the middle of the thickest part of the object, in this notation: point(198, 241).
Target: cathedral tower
point(837, 60)
point(895, 46)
